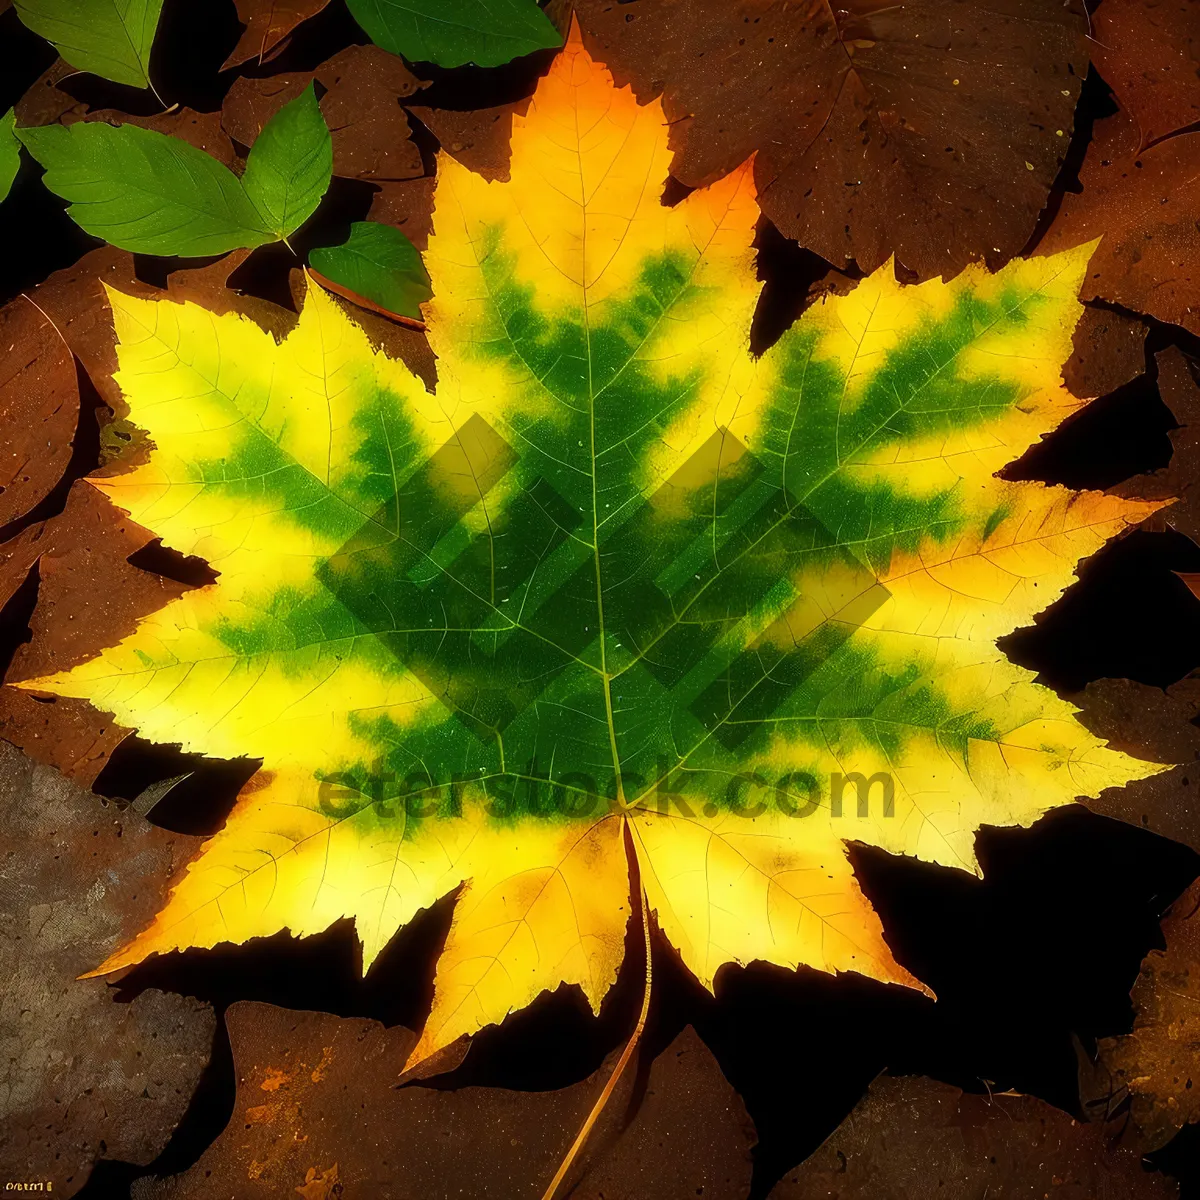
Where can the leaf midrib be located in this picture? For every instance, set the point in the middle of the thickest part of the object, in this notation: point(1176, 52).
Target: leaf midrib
point(593, 397)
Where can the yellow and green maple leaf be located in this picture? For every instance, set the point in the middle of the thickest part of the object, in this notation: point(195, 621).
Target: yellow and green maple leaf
point(614, 585)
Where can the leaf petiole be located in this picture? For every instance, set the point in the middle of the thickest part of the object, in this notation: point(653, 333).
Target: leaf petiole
point(622, 1063)
point(166, 108)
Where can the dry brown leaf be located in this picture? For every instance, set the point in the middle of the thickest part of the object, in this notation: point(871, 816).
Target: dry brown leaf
point(1159, 1062)
point(83, 1077)
point(912, 1137)
point(250, 103)
point(1156, 725)
point(45, 102)
point(1149, 54)
point(361, 105)
point(479, 139)
point(932, 131)
point(210, 286)
point(317, 1101)
point(66, 734)
point(88, 593)
point(1109, 351)
point(39, 397)
point(268, 23)
point(1143, 205)
point(408, 206)
point(73, 299)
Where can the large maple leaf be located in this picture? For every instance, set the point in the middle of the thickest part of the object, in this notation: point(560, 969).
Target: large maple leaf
point(616, 585)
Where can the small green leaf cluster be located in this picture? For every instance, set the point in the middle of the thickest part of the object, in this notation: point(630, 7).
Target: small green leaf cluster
point(153, 194)
point(150, 193)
